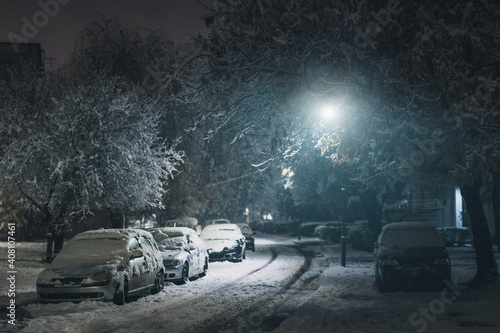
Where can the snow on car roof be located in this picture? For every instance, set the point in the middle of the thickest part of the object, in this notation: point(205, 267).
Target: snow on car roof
point(244, 227)
point(409, 225)
point(214, 231)
point(311, 223)
point(110, 234)
point(174, 231)
point(410, 235)
point(171, 238)
point(221, 227)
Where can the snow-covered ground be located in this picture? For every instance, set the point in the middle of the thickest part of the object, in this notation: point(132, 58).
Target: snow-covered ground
point(285, 286)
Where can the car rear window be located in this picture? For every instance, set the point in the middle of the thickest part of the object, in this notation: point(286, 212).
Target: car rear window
point(410, 238)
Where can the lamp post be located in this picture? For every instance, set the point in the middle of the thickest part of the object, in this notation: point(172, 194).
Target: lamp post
point(329, 112)
point(343, 236)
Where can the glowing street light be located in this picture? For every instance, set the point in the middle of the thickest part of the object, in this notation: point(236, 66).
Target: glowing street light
point(329, 112)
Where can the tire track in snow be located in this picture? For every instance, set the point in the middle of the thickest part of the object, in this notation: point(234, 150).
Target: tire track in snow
point(255, 318)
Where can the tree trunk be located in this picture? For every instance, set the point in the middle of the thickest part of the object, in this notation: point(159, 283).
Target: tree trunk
point(117, 218)
point(495, 203)
point(487, 269)
point(47, 219)
point(373, 210)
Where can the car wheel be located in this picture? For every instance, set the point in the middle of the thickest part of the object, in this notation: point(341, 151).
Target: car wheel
point(185, 274)
point(380, 285)
point(159, 283)
point(205, 268)
point(120, 297)
point(242, 256)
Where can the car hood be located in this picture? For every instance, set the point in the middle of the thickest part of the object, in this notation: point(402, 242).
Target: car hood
point(218, 245)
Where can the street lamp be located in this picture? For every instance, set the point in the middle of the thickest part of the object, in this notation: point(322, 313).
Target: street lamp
point(329, 113)
point(342, 186)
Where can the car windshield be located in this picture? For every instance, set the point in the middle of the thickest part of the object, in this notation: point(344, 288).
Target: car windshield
point(245, 229)
point(171, 243)
point(220, 221)
point(219, 234)
point(79, 248)
point(411, 238)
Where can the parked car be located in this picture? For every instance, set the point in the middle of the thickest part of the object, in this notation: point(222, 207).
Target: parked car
point(104, 264)
point(224, 242)
point(220, 221)
point(361, 237)
point(331, 231)
point(184, 253)
point(306, 229)
point(249, 235)
point(410, 256)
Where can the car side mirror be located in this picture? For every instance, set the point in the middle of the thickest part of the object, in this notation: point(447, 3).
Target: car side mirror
point(136, 254)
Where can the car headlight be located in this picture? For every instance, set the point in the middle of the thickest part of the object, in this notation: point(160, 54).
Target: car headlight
point(389, 262)
point(99, 279)
point(172, 262)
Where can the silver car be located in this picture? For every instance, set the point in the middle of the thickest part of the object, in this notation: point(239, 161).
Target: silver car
point(184, 253)
point(104, 264)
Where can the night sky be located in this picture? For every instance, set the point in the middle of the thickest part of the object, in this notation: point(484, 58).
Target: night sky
point(57, 27)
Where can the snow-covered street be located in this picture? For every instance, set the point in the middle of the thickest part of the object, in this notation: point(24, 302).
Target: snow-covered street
point(285, 286)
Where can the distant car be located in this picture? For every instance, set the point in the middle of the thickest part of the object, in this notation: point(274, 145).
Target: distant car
point(361, 237)
point(104, 264)
point(220, 221)
point(184, 253)
point(249, 235)
point(224, 242)
point(306, 229)
point(410, 256)
point(330, 231)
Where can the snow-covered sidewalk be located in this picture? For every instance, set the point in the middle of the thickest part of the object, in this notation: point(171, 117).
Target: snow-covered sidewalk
point(347, 301)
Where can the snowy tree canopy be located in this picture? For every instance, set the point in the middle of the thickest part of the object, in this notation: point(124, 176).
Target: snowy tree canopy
point(393, 67)
point(417, 84)
point(75, 143)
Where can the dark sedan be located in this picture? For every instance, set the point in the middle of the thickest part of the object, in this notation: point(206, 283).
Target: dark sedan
point(249, 235)
point(410, 256)
point(224, 242)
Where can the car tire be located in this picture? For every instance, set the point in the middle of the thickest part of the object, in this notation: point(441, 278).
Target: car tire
point(380, 285)
point(205, 268)
point(185, 274)
point(159, 283)
point(120, 297)
point(242, 256)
